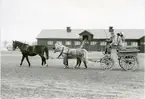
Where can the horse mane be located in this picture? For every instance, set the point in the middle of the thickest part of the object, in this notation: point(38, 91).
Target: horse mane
point(21, 42)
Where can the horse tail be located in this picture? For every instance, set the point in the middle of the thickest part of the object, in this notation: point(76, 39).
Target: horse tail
point(47, 52)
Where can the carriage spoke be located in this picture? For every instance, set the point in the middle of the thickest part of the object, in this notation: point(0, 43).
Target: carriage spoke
point(127, 62)
point(107, 63)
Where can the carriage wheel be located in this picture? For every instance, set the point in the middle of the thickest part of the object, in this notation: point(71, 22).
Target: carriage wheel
point(128, 63)
point(107, 63)
point(120, 63)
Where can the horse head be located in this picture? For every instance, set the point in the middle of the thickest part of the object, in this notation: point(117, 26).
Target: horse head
point(58, 47)
point(14, 44)
point(19, 45)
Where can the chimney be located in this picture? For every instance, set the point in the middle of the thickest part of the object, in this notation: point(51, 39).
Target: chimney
point(68, 29)
point(111, 29)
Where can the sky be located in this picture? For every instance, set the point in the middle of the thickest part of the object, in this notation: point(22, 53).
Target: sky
point(24, 19)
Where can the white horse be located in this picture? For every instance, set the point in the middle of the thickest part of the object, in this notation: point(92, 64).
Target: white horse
point(66, 52)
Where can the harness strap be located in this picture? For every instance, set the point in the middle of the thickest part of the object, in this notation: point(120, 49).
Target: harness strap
point(64, 53)
point(61, 52)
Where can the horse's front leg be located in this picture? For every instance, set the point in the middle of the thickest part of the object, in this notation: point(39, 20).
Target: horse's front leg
point(80, 61)
point(85, 63)
point(77, 63)
point(22, 60)
point(28, 61)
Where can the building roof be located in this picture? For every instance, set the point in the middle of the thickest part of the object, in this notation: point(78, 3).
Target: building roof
point(98, 33)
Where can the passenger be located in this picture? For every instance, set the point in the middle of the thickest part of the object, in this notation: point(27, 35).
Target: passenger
point(120, 41)
point(122, 38)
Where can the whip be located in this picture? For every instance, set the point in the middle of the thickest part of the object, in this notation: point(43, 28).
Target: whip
point(106, 34)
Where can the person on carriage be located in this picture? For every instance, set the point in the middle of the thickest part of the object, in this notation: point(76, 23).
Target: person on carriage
point(108, 47)
point(122, 38)
point(113, 39)
point(110, 43)
point(120, 41)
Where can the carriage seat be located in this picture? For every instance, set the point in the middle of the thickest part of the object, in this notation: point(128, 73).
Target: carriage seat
point(128, 49)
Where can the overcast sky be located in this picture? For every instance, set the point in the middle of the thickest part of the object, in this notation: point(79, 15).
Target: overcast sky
point(24, 19)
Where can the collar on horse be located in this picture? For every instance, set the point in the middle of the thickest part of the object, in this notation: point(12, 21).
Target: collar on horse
point(62, 52)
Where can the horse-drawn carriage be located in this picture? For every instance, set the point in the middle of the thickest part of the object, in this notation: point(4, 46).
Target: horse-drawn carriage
point(127, 59)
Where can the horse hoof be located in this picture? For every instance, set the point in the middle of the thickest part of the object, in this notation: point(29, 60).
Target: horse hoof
point(66, 67)
point(74, 67)
point(46, 65)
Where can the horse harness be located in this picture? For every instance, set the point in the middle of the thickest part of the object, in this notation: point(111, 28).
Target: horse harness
point(27, 48)
point(63, 52)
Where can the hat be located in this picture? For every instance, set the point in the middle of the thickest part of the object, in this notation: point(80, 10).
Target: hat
point(121, 33)
point(118, 34)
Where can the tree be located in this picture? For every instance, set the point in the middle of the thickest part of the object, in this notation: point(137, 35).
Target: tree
point(5, 43)
point(34, 43)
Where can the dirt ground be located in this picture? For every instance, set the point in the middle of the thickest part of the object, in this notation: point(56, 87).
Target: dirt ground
point(55, 82)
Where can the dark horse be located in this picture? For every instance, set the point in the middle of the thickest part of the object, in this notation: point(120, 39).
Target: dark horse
point(28, 50)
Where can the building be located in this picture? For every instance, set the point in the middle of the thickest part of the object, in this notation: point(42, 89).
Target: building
point(96, 37)
point(142, 44)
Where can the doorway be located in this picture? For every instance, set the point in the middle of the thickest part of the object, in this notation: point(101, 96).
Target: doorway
point(85, 37)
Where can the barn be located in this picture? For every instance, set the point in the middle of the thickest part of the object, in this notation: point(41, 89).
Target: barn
point(142, 44)
point(96, 37)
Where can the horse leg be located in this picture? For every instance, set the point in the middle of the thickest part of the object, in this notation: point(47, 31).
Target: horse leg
point(77, 63)
point(80, 61)
point(22, 60)
point(85, 63)
point(43, 60)
point(28, 60)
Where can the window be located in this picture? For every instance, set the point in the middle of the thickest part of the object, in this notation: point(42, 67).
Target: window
point(77, 42)
point(103, 43)
point(142, 43)
point(59, 42)
point(67, 42)
point(134, 43)
point(50, 42)
point(93, 43)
